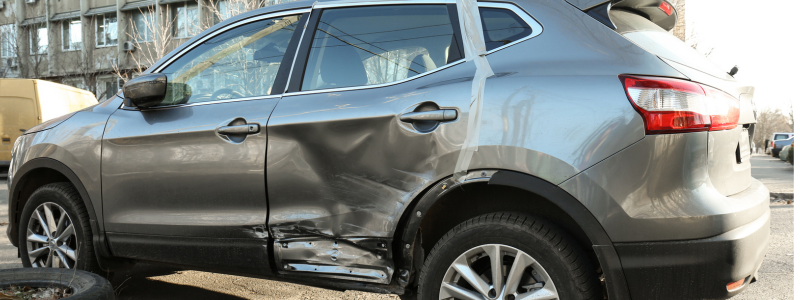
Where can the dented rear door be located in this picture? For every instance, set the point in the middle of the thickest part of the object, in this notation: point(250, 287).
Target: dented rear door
point(371, 118)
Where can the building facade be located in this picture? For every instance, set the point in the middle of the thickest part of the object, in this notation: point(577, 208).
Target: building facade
point(97, 44)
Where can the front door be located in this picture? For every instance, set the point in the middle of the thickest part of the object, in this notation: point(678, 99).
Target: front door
point(193, 166)
point(372, 116)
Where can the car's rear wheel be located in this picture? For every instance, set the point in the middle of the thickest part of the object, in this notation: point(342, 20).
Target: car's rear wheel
point(508, 256)
point(54, 230)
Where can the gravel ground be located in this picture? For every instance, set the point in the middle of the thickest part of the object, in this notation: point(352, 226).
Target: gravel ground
point(147, 281)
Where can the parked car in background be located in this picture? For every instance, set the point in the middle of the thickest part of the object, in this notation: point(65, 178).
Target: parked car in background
point(316, 142)
point(775, 137)
point(778, 145)
point(25, 103)
point(790, 155)
point(784, 154)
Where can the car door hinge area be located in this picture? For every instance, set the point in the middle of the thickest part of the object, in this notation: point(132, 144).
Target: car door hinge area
point(360, 259)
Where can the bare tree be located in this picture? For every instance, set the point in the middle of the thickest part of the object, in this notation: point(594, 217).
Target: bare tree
point(153, 38)
point(770, 121)
point(221, 10)
point(30, 56)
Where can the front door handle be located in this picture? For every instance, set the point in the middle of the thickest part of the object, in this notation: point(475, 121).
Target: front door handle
point(441, 115)
point(239, 129)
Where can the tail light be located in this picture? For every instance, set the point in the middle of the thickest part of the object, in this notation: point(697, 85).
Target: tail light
point(672, 105)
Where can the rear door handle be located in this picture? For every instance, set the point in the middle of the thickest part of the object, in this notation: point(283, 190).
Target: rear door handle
point(239, 129)
point(433, 115)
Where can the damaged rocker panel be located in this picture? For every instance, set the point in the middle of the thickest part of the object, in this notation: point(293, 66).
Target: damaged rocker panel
point(360, 259)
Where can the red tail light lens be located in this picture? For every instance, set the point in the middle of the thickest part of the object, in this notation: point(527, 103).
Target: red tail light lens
point(671, 105)
point(666, 8)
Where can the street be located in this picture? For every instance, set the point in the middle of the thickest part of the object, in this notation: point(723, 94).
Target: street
point(146, 281)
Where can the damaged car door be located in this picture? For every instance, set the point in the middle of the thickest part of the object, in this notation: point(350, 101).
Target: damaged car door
point(370, 118)
point(189, 171)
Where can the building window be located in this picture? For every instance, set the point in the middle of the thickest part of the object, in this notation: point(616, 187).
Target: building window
point(8, 42)
point(143, 25)
point(71, 34)
point(106, 32)
point(38, 38)
point(107, 88)
point(228, 8)
point(187, 22)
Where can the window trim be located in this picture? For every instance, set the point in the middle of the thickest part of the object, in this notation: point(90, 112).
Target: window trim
point(211, 35)
point(296, 80)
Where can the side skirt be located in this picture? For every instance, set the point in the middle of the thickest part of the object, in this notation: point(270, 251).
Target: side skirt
point(249, 256)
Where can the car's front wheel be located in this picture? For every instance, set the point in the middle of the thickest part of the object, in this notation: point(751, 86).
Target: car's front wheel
point(508, 256)
point(54, 230)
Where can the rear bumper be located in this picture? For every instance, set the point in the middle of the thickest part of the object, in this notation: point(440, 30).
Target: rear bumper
point(695, 269)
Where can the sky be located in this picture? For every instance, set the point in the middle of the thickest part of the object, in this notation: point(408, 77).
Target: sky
point(761, 37)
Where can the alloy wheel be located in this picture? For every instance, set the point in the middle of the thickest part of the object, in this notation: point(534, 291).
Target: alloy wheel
point(497, 272)
point(51, 238)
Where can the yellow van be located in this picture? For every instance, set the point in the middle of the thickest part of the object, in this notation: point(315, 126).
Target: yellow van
point(25, 103)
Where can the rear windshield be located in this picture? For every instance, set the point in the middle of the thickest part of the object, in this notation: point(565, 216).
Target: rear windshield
point(781, 136)
point(658, 41)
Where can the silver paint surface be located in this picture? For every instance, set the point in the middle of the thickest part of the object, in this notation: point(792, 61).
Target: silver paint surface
point(75, 142)
point(659, 189)
point(340, 167)
point(342, 164)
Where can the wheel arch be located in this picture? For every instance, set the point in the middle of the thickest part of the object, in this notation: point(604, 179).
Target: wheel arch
point(36, 173)
point(447, 203)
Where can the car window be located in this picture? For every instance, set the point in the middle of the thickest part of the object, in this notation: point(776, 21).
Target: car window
point(781, 137)
point(359, 46)
point(502, 26)
point(239, 63)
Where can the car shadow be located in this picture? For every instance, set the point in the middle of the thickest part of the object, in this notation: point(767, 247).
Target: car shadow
point(137, 283)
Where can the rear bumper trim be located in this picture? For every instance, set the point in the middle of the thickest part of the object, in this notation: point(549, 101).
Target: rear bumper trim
point(695, 269)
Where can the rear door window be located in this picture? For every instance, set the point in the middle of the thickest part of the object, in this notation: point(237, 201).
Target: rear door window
point(359, 46)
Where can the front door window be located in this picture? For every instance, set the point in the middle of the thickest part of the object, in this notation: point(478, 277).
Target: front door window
point(240, 63)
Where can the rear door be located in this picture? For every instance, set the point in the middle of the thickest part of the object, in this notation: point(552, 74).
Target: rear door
point(190, 171)
point(343, 161)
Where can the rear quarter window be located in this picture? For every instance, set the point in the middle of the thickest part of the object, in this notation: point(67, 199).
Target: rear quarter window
point(501, 27)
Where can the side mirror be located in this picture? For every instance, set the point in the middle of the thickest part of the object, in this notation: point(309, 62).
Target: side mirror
point(145, 91)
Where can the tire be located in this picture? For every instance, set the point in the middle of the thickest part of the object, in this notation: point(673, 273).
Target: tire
point(59, 198)
point(85, 285)
point(559, 265)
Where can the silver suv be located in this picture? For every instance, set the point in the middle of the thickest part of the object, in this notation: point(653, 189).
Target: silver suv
point(316, 142)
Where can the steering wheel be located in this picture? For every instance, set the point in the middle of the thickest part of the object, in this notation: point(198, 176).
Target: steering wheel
point(230, 92)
